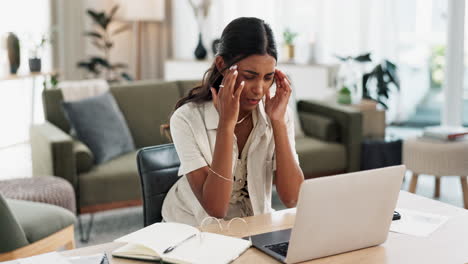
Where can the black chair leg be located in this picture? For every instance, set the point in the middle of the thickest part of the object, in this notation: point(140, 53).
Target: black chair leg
point(84, 234)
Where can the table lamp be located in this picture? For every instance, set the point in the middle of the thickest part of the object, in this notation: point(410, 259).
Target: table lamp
point(139, 12)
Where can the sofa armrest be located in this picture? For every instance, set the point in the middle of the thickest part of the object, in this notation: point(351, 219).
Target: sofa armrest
point(349, 122)
point(84, 157)
point(52, 152)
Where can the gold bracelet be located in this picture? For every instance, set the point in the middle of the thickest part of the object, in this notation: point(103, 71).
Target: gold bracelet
point(222, 177)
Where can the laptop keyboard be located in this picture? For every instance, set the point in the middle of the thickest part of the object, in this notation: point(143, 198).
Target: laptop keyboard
point(280, 248)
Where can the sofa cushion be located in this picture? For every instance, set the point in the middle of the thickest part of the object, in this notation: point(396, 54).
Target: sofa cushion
point(146, 106)
point(186, 86)
point(53, 112)
point(114, 181)
point(40, 220)
point(13, 236)
point(319, 126)
point(99, 124)
point(318, 157)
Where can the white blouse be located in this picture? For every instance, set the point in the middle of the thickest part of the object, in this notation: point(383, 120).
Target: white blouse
point(193, 129)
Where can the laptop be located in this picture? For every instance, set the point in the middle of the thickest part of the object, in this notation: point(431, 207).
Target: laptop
point(337, 214)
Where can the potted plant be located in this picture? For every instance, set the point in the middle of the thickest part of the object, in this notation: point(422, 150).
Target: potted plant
point(289, 37)
point(349, 79)
point(378, 83)
point(34, 56)
point(101, 38)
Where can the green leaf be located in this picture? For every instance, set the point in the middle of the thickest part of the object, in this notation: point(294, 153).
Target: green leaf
point(98, 45)
point(100, 61)
point(363, 58)
point(90, 66)
point(126, 76)
point(342, 58)
point(98, 17)
point(93, 34)
point(109, 44)
point(113, 11)
point(119, 66)
point(121, 29)
point(365, 89)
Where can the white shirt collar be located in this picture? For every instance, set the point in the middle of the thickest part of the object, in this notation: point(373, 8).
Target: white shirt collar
point(212, 117)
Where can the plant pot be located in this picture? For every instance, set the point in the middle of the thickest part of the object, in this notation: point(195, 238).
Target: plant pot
point(289, 52)
point(35, 64)
point(344, 96)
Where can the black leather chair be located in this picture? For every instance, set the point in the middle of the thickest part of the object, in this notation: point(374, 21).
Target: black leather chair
point(158, 167)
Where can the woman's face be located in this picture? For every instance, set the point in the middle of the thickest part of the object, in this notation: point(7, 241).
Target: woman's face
point(258, 72)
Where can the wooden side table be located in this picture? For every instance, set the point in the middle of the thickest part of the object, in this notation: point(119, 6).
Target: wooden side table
point(438, 158)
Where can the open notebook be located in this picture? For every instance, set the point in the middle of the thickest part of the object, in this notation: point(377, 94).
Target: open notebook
point(150, 242)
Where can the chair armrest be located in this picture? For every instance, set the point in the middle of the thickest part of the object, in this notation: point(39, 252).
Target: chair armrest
point(349, 121)
point(13, 236)
point(52, 152)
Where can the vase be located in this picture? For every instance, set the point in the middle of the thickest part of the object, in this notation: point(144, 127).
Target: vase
point(13, 47)
point(289, 51)
point(200, 51)
point(35, 65)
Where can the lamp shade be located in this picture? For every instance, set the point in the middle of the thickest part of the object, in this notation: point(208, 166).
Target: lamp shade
point(140, 10)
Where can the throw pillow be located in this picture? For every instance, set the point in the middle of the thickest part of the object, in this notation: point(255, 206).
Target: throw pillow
point(100, 125)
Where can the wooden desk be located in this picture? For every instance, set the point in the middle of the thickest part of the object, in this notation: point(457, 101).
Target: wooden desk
point(448, 244)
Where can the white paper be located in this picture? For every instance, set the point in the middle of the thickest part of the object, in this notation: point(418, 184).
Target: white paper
point(47, 258)
point(94, 259)
point(417, 223)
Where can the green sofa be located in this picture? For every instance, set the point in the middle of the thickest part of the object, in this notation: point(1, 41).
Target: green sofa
point(331, 144)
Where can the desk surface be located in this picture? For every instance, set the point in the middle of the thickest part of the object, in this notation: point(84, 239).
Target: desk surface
point(448, 244)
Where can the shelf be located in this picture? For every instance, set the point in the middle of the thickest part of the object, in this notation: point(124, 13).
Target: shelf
point(20, 76)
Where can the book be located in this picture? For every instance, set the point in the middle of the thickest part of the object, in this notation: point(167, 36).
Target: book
point(446, 133)
point(149, 243)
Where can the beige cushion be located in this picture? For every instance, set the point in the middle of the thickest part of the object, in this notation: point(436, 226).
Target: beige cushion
point(146, 106)
point(319, 126)
point(435, 157)
point(186, 86)
point(113, 181)
point(317, 157)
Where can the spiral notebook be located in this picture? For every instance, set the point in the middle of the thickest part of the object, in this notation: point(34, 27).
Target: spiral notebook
point(150, 242)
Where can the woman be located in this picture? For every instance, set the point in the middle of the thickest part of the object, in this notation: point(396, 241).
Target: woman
point(232, 143)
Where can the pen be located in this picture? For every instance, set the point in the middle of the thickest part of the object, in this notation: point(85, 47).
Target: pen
point(169, 249)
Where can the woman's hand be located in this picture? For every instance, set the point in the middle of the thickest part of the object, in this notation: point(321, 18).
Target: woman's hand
point(226, 100)
point(276, 106)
